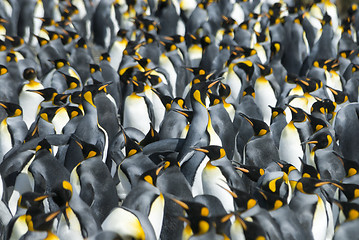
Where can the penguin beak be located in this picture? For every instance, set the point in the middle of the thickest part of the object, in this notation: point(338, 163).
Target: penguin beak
point(103, 87)
point(168, 38)
point(158, 170)
point(242, 169)
point(52, 216)
point(38, 199)
point(201, 150)
point(304, 82)
point(233, 194)
point(292, 108)
point(245, 117)
point(226, 218)
point(182, 204)
point(8, 37)
point(321, 184)
point(310, 142)
point(3, 105)
point(279, 164)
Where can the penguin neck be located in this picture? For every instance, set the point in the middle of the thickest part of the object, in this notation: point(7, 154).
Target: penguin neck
point(33, 84)
point(89, 108)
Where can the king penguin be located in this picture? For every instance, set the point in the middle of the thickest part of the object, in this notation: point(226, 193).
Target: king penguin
point(290, 147)
point(30, 101)
point(12, 129)
point(260, 150)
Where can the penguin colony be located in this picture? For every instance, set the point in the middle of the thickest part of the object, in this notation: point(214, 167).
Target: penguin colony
point(178, 119)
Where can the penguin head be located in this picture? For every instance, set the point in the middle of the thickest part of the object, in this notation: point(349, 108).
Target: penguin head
point(326, 20)
point(213, 152)
point(321, 139)
point(138, 86)
point(37, 220)
point(3, 70)
point(248, 67)
point(143, 62)
point(29, 74)
point(31, 199)
point(47, 93)
point(276, 49)
point(62, 193)
point(73, 111)
point(298, 115)
point(339, 96)
point(275, 182)
point(88, 150)
point(15, 41)
point(309, 171)
point(61, 99)
point(214, 99)
point(71, 81)
point(350, 209)
point(52, 35)
point(81, 43)
point(197, 71)
point(310, 185)
point(350, 190)
point(95, 68)
point(2, 46)
point(252, 172)
point(276, 111)
point(286, 167)
point(249, 91)
point(90, 91)
point(105, 57)
point(243, 200)
point(271, 201)
point(187, 113)
point(316, 123)
point(169, 162)
point(76, 97)
point(180, 102)
point(310, 84)
point(151, 175)
point(205, 41)
point(151, 136)
point(224, 90)
point(197, 217)
point(65, 38)
point(260, 128)
point(318, 107)
point(351, 167)
point(47, 22)
point(59, 63)
point(12, 109)
point(291, 78)
point(165, 99)
point(241, 52)
point(43, 145)
point(11, 57)
point(199, 92)
point(131, 146)
point(175, 38)
point(48, 113)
